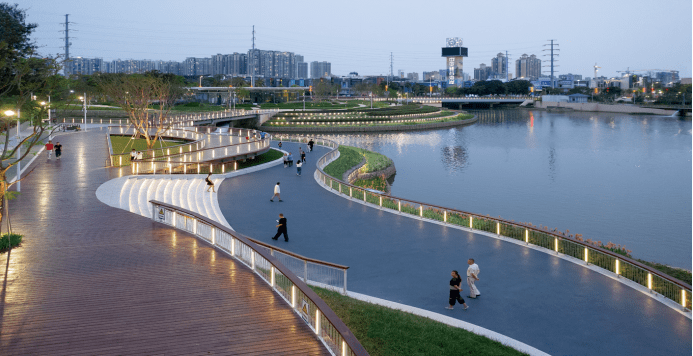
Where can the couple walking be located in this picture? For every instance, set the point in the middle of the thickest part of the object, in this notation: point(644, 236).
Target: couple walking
point(455, 285)
point(57, 148)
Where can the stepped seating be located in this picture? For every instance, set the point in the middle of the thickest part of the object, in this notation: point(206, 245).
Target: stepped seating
point(133, 193)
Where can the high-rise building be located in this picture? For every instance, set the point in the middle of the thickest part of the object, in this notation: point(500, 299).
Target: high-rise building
point(498, 65)
point(320, 70)
point(483, 72)
point(528, 67)
point(302, 70)
point(413, 76)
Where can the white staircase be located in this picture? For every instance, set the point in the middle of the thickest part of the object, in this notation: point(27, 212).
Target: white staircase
point(133, 193)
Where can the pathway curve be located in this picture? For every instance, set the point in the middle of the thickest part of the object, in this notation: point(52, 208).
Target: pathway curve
point(554, 305)
point(95, 280)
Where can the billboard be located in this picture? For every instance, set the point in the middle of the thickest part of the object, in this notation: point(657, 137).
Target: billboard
point(454, 52)
point(545, 83)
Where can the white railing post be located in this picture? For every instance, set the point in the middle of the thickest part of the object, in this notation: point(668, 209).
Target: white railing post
point(305, 271)
point(233, 247)
point(317, 322)
point(252, 259)
point(345, 281)
point(272, 277)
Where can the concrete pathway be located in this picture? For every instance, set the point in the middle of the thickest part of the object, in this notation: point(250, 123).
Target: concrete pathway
point(536, 298)
point(95, 280)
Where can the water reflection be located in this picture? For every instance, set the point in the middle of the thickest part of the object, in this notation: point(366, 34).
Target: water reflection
point(615, 171)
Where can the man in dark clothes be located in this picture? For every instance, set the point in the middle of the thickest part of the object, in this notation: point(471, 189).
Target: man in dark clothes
point(281, 228)
point(310, 145)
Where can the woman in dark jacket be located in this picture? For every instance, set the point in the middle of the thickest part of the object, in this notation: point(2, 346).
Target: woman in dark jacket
point(455, 290)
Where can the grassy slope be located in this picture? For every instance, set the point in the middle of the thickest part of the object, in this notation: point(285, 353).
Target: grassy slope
point(384, 331)
point(119, 143)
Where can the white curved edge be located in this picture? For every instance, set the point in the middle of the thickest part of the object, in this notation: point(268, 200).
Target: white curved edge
point(650, 293)
point(478, 330)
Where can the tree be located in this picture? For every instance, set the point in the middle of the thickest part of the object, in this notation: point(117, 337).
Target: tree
point(21, 74)
point(520, 87)
point(135, 93)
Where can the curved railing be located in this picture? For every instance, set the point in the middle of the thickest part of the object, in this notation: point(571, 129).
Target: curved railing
point(312, 309)
point(560, 243)
point(196, 156)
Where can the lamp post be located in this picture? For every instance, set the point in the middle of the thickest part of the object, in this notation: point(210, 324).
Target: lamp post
point(84, 108)
point(19, 148)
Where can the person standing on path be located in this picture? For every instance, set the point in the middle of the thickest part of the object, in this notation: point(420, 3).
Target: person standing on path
point(303, 154)
point(58, 148)
point(299, 164)
point(291, 159)
point(310, 145)
point(280, 145)
point(281, 228)
point(286, 159)
point(210, 184)
point(455, 290)
point(276, 193)
point(472, 276)
point(49, 148)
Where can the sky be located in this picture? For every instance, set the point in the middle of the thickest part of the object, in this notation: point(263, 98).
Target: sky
point(359, 35)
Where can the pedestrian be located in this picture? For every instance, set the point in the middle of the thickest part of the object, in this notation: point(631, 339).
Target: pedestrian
point(281, 228)
point(262, 135)
point(472, 277)
point(299, 164)
point(210, 184)
point(286, 159)
point(280, 145)
point(302, 153)
point(49, 148)
point(58, 148)
point(455, 290)
point(139, 155)
point(276, 193)
point(310, 145)
point(291, 160)
point(133, 155)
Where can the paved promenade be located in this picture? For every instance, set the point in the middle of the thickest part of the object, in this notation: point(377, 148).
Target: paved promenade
point(554, 305)
point(90, 279)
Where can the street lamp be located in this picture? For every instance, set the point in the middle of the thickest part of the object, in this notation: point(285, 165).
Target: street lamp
point(84, 108)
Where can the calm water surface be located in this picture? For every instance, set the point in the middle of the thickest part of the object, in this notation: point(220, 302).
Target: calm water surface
point(610, 177)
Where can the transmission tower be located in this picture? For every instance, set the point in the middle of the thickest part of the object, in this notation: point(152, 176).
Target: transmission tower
point(552, 55)
point(252, 72)
point(66, 69)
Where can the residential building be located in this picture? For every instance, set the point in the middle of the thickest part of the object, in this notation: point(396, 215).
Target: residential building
point(320, 69)
point(499, 65)
point(528, 67)
point(413, 77)
point(483, 72)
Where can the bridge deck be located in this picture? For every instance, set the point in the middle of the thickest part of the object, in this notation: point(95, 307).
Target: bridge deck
point(91, 279)
point(554, 305)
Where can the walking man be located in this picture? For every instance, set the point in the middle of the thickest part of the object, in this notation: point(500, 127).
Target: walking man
point(49, 148)
point(276, 193)
point(299, 164)
point(310, 145)
point(472, 277)
point(303, 154)
point(58, 148)
point(281, 228)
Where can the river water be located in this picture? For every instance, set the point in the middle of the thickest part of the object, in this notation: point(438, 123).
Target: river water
point(610, 177)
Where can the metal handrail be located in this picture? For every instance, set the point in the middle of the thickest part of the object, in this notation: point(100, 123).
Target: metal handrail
point(287, 252)
point(335, 335)
point(684, 297)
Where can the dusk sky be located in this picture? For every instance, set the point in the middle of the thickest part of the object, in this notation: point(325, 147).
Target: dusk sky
point(358, 35)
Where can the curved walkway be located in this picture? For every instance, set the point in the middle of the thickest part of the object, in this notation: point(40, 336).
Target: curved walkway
point(95, 280)
point(536, 298)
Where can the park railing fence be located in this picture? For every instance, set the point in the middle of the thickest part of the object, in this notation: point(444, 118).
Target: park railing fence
point(559, 242)
point(266, 261)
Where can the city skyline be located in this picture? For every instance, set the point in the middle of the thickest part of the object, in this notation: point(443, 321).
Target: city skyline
point(359, 36)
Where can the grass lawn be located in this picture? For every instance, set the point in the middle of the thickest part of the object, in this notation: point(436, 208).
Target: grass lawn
point(268, 156)
point(348, 157)
point(123, 144)
point(384, 331)
point(274, 123)
point(310, 105)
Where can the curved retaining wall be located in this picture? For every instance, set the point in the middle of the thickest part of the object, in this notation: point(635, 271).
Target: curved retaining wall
point(436, 125)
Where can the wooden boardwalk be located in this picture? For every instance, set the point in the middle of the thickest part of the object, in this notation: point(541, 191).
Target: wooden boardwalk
point(90, 279)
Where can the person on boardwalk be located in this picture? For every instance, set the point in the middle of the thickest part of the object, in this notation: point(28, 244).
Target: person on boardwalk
point(281, 228)
point(299, 164)
point(49, 148)
point(276, 193)
point(291, 160)
point(210, 184)
point(286, 159)
point(303, 154)
point(310, 145)
point(472, 276)
point(455, 290)
point(58, 148)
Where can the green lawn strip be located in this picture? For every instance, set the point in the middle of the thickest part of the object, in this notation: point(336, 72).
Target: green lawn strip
point(309, 105)
point(385, 331)
point(348, 157)
point(374, 161)
point(268, 156)
point(678, 273)
point(8, 241)
point(377, 183)
point(456, 118)
point(124, 144)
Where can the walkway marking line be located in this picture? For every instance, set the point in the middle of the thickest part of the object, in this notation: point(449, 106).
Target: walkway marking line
point(643, 289)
